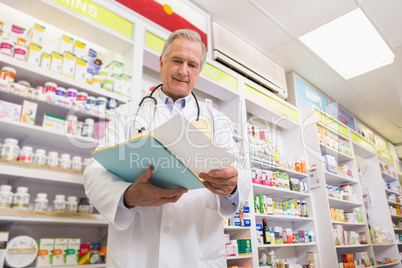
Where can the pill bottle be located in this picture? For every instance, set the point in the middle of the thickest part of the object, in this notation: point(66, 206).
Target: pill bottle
point(71, 97)
point(20, 52)
point(52, 159)
point(26, 154)
point(100, 106)
point(8, 74)
point(72, 121)
point(71, 204)
point(50, 89)
point(86, 163)
point(80, 126)
point(39, 157)
point(89, 128)
point(65, 161)
point(81, 100)
point(61, 96)
point(83, 205)
point(21, 198)
point(6, 47)
point(90, 105)
point(76, 164)
point(10, 149)
point(59, 203)
point(41, 202)
point(6, 196)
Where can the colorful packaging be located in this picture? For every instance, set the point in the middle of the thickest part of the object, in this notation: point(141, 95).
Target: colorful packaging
point(28, 112)
point(3, 244)
point(59, 249)
point(45, 60)
point(56, 62)
point(83, 256)
point(45, 249)
point(94, 64)
point(68, 64)
point(20, 52)
point(94, 253)
point(16, 32)
point(54, 123)
point(79, 49)
point(10, 111)
point(34, 54)
point(35, 34)
point(115, 67)
point(7, 47)
point(80, 69)
point(73, 251)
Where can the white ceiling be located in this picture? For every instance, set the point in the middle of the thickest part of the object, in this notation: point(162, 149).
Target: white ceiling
point(273, 26)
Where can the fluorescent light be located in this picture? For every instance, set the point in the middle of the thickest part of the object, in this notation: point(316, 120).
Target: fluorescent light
point(349, 44)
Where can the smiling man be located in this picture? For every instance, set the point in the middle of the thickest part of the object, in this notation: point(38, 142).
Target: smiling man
point(155, 227)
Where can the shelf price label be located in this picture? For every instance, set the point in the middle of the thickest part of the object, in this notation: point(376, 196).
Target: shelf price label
point(385, 155)
point(271, 103)
point(331, 123)
point(156, 43)
point(100, 15)
point(362, 142)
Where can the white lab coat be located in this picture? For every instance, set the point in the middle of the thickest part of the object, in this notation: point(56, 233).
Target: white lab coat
point(188, 233)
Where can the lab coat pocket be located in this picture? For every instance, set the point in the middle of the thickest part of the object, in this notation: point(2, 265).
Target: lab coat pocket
point(212, 243)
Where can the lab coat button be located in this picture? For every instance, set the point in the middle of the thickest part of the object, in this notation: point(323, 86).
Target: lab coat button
point(166, 229)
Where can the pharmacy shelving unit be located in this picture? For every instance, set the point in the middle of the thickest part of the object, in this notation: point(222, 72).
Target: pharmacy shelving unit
point(112, 45)
point(280, 121)
point(320, 178)
point(376, 201)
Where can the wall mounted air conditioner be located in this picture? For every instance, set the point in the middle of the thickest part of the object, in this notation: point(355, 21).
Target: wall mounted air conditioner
point(243, 58)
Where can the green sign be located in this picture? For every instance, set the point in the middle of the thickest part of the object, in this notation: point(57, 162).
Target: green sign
point(362, 142)
point(220, 76)
point(271, 103)
point(99, 14)
point(385, 155)
point(154, 42)
point(331, 123)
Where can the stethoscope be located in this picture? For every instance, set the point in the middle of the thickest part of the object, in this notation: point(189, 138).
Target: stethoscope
point(156, 102)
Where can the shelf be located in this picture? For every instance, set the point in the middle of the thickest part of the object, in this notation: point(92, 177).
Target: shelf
point(283, 218)
point(240, 257)
point(341, 157)
point(288, 245)
point(100, 265)
point(352, 246)
point(388, 264)
point(397, 217)
point(333, 131)
point(237, 137)
point(40, 76)
point(237, 227)
point(335, 179)
point(44, 137)
point(47, 107)
point(394, 203)
point(40, 174)
point(35, 220)
point(277, 192)
point(392, 192)
point(383, 245)
point(342, 203)
point(265, 165)
point(349, 223)
point(361, 151)
point(388, 178)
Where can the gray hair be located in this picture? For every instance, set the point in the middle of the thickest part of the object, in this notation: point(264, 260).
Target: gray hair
point(188, 34)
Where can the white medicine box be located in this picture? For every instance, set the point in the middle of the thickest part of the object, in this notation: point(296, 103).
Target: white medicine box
point(45, 249)
point(59, 249)
point(73, 250)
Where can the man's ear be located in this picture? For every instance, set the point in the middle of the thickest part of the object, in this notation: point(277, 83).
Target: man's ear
point(160, 63)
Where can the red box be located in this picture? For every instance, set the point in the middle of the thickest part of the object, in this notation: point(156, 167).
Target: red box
point(347, 258)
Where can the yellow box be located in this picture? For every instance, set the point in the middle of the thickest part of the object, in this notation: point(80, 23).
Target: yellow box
point(45, 60)
point(55, 62)
point(79, 49)
point(35, 34)
point(34, 53)
point(80, 69)
point(68, 64)
point(66, 44)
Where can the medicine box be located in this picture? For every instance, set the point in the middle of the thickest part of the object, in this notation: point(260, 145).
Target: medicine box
point(80, 69)
point(3, 244)
point(65, 44)
point(35, 34)
point(68, 64)
point(73, 250)
point(59, 249)
point(45, 60)
point(10, 111)
point(45, 249)
point(54, 123)
point(56, 62)
point(28, 112)
point(115, 67)
point(83, 256)
point(79, 49)
point(33, 54)
point(244, 246)
point(125, 85)
point(94, 253)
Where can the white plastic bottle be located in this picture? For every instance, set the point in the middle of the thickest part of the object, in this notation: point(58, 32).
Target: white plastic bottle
point(272, 259)
point(65, 161)
point(41, 202)
point(71, 204)
point(59, 203)
point(9, 149)
point(26, 154)
point(53, 159)
point(40, 157)
point(76, 164)
point(21, 198)
point(6, 196)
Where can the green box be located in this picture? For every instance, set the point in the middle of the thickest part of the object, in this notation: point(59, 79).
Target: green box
point(244, 246)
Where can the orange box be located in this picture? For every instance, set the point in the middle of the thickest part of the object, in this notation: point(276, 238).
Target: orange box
point(347, 258)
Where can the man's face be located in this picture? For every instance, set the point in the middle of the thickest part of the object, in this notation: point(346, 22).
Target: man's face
point(181, 69)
